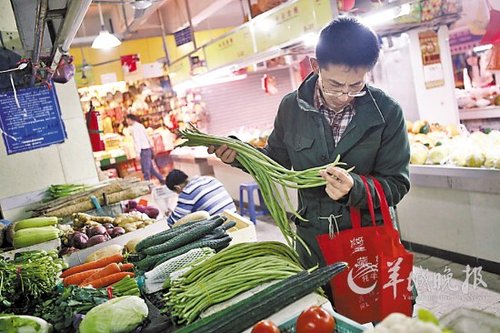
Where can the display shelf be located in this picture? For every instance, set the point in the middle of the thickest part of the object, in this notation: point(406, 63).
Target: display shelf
point(457, 178)
point(488, 112)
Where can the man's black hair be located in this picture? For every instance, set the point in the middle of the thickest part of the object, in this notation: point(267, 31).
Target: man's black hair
point(346, 41)
point(134, 117)
point(175, 177)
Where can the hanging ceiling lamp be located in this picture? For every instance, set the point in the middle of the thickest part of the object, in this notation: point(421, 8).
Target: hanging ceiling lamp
point(105, 40)
point(142, 4)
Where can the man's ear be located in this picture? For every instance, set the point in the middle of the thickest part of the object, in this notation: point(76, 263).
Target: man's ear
point(314, 65)
point(178, 188)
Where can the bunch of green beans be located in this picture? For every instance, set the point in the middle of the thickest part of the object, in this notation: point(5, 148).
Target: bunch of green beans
point(237, 252)
point(187, 299)
point(269, 175)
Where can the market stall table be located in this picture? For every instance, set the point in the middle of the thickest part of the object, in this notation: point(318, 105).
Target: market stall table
point(453, 212)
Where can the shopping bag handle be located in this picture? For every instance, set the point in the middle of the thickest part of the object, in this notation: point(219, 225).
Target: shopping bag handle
point(355, 212)
point(384, 206)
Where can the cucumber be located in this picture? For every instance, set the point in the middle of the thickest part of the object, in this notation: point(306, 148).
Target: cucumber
point(164, 236)
point(244, 314)
point(186, 237)
point(216, 244)
point(150, 262)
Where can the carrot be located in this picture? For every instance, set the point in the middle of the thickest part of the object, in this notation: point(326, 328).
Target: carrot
point(126, 267)
point(102, 272)
point(92, 265)
point(110, 279)
point(78, 278)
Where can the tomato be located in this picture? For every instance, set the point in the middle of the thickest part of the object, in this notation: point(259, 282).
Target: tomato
point(265, 326)
point(315, 320)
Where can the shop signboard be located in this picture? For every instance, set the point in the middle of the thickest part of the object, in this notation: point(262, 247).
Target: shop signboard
point(180, 70)
point(235, 46)
point(293, 21)
point(30, 118)
point(323, 12)
point(288, 23)
point(431, 59)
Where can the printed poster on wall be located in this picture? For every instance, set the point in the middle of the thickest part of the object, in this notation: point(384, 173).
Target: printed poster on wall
point(131, 66)
point(33, 121)
point(431, 59)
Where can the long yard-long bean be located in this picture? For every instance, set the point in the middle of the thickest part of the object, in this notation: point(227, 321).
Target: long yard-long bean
point(269, 175)
point(187, 299)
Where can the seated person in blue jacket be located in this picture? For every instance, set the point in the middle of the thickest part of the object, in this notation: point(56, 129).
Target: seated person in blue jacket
point(200, 193)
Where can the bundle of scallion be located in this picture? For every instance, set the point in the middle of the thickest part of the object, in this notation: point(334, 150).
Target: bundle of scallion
point(269, 175)
point(64, 190)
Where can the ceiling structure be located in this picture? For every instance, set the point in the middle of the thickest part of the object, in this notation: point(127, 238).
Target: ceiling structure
point(128, 23)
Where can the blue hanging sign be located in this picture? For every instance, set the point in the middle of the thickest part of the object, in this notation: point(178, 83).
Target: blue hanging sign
point(30, 118)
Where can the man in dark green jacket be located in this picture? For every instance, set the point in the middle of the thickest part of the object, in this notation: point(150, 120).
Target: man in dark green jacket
point(335, 113)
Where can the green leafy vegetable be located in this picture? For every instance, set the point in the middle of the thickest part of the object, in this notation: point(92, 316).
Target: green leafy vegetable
point(60, 308)
point(28, 278)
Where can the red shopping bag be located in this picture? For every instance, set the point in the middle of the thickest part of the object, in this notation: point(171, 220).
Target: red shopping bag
point(358, 291)
point(395, 267)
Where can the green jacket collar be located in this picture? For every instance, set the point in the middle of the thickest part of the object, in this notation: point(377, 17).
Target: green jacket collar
point(368, 113)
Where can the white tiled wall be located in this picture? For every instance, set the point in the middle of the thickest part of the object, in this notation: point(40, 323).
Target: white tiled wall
point(69, 162)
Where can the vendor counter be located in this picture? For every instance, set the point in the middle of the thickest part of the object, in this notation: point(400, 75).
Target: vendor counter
point(232, 177)
point(192, 161)
point(450, 212)
point(197, 162)
point(453, 213)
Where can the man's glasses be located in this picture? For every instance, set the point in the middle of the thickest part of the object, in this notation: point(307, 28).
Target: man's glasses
point(339, 93)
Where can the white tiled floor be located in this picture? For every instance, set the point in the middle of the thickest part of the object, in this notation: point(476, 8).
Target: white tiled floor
point(436, 292)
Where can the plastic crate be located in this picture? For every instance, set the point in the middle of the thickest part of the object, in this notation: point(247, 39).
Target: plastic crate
point(343, 325)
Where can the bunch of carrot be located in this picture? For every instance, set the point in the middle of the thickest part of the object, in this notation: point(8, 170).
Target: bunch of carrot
point(98, 274)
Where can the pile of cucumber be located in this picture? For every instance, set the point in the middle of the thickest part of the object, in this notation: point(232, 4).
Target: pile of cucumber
point(156, 249)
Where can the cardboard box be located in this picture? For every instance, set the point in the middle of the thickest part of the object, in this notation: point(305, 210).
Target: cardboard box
point(79, 257)
point(244, 231)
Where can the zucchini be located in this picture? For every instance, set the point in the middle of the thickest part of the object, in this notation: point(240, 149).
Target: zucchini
point(31, 236)
point(164, 236)
point(35, 222)
point(186, 237)
point(244, 314)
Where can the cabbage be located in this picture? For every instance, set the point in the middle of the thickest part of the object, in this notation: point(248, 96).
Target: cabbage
point(468, 157)
point(23, 324)
point(418, 153)
point(438, 155)
point(492, 159)
point(118, 315)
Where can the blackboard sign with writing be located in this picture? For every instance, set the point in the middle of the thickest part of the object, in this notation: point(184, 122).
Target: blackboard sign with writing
point(33, 121)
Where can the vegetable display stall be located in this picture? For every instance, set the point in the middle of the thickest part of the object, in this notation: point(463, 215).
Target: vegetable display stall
point(184, 279)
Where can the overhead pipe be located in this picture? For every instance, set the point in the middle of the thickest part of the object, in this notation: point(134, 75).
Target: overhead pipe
point(191, 28)
point(124, 12)
point(163, 41)
point(41, 14)
point(74, 17)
